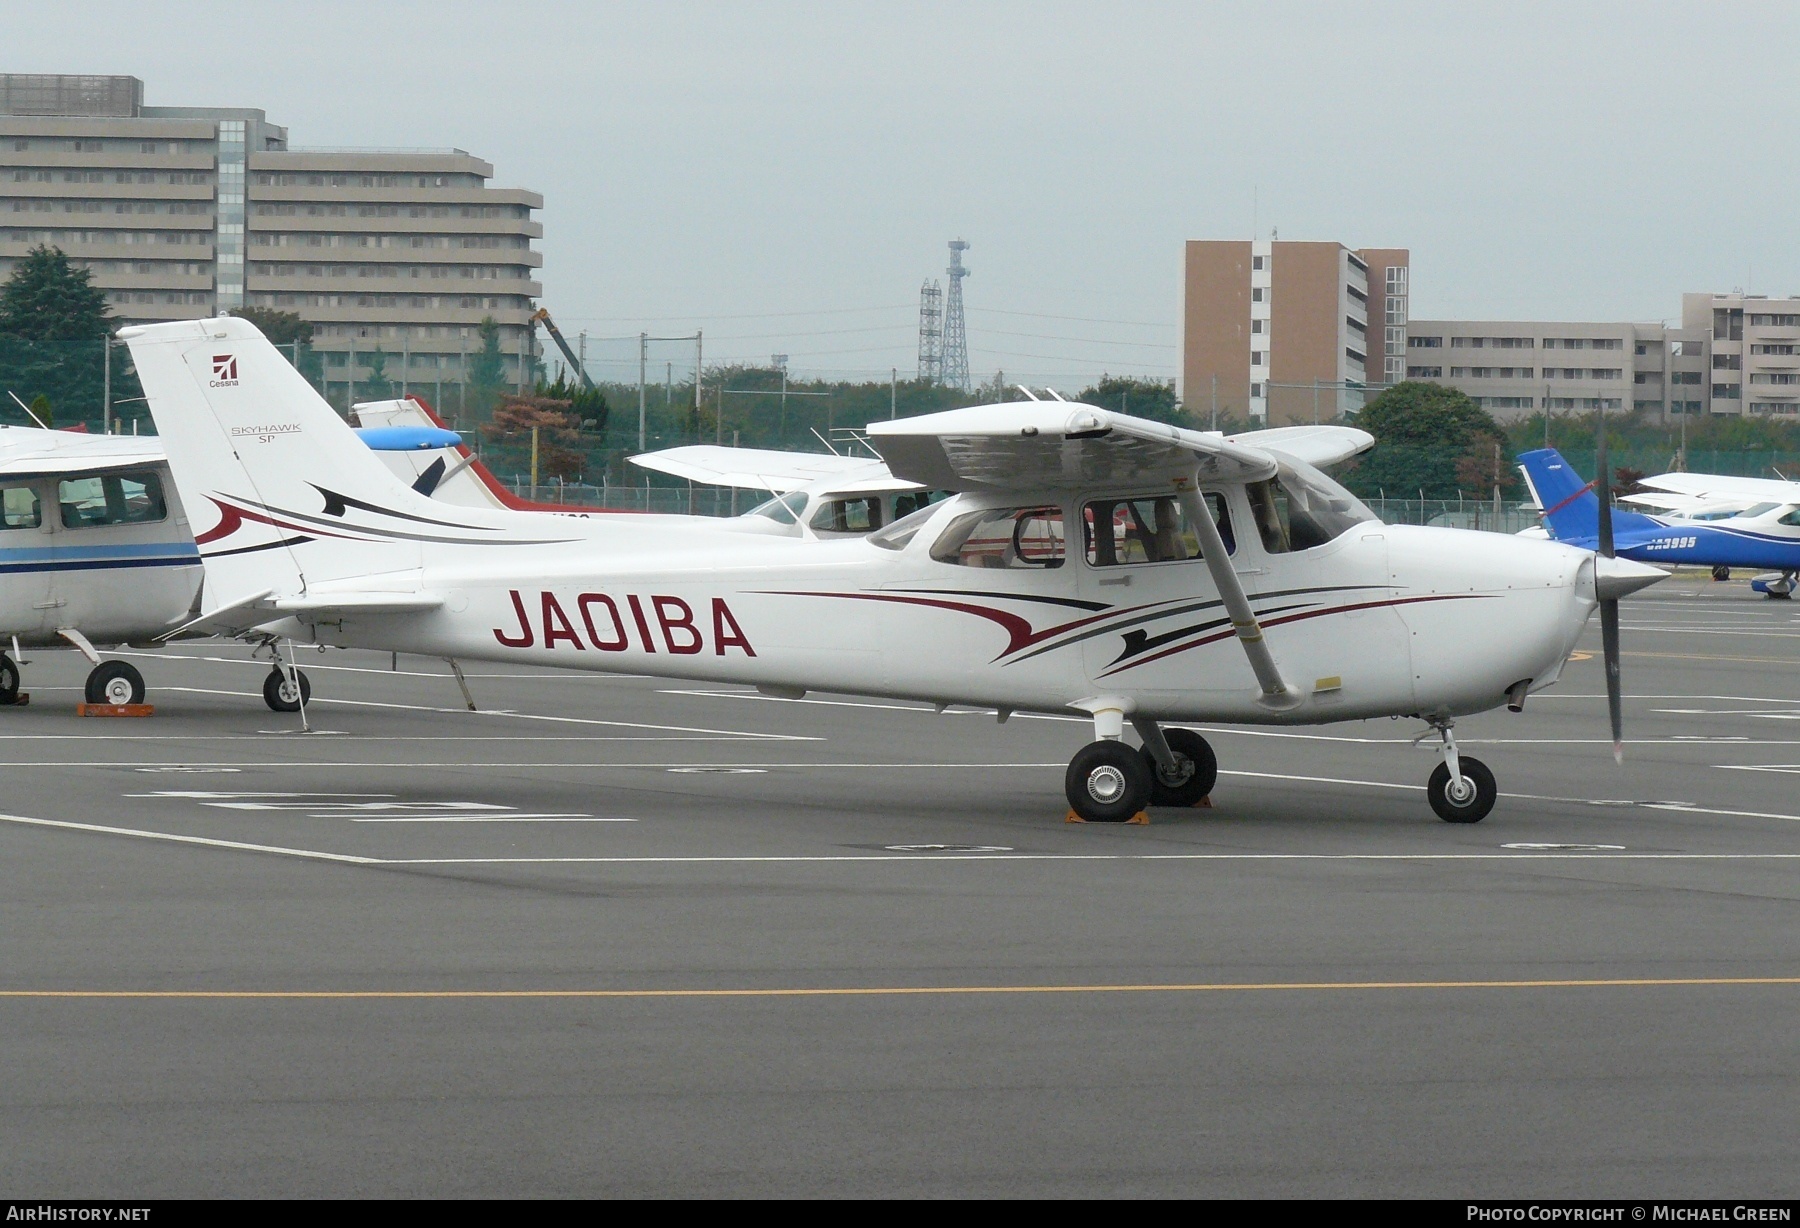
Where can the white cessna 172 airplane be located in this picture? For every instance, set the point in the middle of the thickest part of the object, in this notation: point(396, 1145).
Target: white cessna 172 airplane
point(95, 551)
point(1089, 561)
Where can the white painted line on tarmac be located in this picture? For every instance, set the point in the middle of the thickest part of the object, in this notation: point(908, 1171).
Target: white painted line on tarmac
point(490, 818)
point(172, 838)
point(318, 701)
point(837, 858)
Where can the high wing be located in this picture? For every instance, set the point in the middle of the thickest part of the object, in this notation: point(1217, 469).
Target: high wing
point(1045, 445)
point(30, 449)
point(1715, 486)
point(1319, 446)
point(760, 468)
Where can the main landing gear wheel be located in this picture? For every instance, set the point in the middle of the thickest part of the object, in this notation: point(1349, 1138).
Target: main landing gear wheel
point(1721, 573)
point(9, 680)
point(1472, 803)
point(1107, 782)
point(281, 695)
point(115, 682)
point(1196, 770)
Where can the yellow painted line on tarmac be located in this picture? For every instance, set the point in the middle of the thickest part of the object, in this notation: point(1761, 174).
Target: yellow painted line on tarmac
point(899, 991)
point(1695, 656)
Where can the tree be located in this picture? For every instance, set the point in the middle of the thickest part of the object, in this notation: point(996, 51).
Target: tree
point(53, 329)
point(1429, 440)
point(558, 431)
point(48, 299)
point(588, 404)
point(376, 386)
point(1141, 398)
point(486, 373)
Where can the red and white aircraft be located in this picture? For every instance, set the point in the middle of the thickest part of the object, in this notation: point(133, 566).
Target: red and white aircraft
point(1088, 561)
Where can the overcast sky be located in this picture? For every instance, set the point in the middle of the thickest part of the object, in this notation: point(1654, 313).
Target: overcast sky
point(785, 175)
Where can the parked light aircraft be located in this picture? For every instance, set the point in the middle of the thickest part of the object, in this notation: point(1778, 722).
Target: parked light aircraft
point(1088, 562)
point(1729, 522)
point(96, 551)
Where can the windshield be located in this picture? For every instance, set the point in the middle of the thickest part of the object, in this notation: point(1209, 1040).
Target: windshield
point(784, 509)
point(1300, 508)
point(897, 535)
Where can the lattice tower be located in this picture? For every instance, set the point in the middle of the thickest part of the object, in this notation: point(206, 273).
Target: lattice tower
point(956, 340)
point(931, 332)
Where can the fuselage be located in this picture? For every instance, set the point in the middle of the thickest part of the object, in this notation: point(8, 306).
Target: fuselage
point(1380, 620)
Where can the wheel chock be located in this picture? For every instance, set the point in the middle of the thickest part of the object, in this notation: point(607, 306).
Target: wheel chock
point(115, 709)
point(24, 697)
point(1204, 803)
point(1140, 819)
point(1072, 817)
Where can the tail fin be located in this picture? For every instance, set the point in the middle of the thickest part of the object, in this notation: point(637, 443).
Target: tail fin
point(1571, 508)
point(280, 493)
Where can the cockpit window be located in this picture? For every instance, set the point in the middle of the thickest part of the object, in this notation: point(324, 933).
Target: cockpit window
point(1148, 530)
point(910, 501)
point(1004, 537)
point(21, 507)
point(897, 535)
point(1301, 508)
point(114, 498)
point(784, 509)
point(1791, 517)
point(858, 514)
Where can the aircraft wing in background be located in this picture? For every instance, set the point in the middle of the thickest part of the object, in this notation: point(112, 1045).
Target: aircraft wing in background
point(763, 468)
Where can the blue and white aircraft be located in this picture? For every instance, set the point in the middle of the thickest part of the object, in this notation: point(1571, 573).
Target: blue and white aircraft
point(1763, 534)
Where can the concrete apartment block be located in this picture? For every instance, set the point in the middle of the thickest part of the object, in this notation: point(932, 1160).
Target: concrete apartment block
point(1514, 368)
point(183, 212)
point(1286, 332)
point(1755, 359)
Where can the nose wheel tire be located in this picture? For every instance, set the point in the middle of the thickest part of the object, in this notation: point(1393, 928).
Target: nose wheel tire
point(1196, 770)
point(1480, 792)
point(1107, 782)
point(115, 682)
point(281, 695)
point(9, 680)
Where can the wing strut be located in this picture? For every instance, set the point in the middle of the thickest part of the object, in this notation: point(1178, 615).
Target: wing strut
point(1276, 693)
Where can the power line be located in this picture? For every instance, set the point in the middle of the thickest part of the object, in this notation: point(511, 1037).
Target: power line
point(1038, 315)
point(758, 315)
point(1001, 332)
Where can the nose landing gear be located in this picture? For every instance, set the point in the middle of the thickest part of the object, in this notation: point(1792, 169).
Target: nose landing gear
point(1461, 789)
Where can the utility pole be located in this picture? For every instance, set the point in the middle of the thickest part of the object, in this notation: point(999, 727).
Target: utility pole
point(534, 461)
point(1215, 402)
point(698, 354)
point(643, 357)
point(1315, 400)
point(350, 375)
point(106, 384)
point(405, 362)
point(893, 392)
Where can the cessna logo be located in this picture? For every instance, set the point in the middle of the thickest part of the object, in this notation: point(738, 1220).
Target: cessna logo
point(225, 371)
point(265, 433)
point(609, 625)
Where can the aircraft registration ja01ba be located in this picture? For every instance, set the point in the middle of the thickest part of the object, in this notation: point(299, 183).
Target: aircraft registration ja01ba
point(1087, 561)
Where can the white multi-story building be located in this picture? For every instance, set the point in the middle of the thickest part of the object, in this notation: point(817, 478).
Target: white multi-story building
point(1513, 368)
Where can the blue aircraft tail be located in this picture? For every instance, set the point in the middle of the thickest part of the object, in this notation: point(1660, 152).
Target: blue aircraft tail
point(1571, 509)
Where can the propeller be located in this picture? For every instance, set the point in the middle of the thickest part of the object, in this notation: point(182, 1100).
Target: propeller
point(1609, 606)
